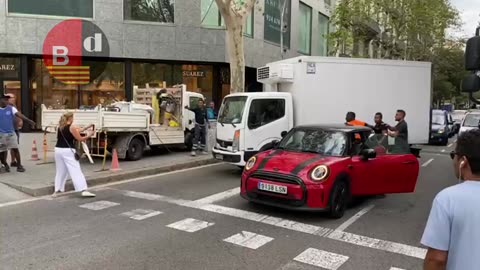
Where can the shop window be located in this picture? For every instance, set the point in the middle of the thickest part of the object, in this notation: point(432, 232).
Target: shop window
point(198, 78)
point(272, 21)
point(147, 77)
point(67, 8)
point(211, 17)
point(305, 29)
point(264, 111)
point(106, 89)
point(149, 10)
point(323, 24)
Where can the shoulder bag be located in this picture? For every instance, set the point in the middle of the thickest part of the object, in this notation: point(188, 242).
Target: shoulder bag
point(77, 156)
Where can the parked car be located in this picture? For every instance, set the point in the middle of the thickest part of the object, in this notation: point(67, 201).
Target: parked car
point(451, 125)
point(471, 121)
point(458, 116)
point(318, 168)
point(440, 130)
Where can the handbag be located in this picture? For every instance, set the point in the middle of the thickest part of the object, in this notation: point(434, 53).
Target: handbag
point(77, 156)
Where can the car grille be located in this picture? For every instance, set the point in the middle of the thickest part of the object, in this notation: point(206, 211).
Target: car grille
point(278, 177)
point(276, 200)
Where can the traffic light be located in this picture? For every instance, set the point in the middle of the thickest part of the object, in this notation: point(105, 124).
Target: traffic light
point(471, 83)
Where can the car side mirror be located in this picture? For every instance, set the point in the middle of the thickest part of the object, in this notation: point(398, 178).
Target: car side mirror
point(368, 154)
point(283, 134)
point(275, 143)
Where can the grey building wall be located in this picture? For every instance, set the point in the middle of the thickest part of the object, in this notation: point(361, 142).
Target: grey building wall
point(185, 40)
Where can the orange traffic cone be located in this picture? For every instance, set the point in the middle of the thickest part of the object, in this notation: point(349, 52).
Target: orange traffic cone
point(34, 155)
point(115, 166)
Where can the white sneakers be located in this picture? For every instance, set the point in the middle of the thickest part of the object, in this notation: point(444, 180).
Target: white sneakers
point(195, 153)
point(84, 193)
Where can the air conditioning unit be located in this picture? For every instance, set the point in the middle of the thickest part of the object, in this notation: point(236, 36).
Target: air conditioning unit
point(275, 74)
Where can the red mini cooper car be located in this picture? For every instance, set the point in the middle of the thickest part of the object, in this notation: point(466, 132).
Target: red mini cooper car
point(320, 167)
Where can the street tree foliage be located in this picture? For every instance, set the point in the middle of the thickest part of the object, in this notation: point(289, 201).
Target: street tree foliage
point(391, 29)
point(234, 13)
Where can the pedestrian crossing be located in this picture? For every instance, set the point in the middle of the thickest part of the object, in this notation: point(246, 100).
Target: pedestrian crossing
point(316, 258)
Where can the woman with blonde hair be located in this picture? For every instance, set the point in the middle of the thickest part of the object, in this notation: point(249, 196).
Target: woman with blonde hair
point(66, 157)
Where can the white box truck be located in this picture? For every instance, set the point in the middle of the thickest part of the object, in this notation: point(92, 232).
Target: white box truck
point(321, 90)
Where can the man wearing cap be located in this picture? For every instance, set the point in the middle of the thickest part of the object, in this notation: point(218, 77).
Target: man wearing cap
point(8, 138)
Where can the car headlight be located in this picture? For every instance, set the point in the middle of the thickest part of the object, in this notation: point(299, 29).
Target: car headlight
point(250, 163)
point(441, 131)
point(319, 173)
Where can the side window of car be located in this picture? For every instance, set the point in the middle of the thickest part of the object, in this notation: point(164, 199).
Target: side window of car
point(265, 111)
point(385, 145)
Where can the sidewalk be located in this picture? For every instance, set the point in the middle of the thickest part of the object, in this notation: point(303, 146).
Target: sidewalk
point(38, 180)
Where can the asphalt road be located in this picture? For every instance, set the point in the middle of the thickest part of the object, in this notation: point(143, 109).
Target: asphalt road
point(194, 219)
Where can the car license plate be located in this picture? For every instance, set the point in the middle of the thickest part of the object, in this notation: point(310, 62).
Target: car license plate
point(219, 157)
point(272, 188)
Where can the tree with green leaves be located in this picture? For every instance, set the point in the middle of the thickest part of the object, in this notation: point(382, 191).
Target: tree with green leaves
point(234, 13)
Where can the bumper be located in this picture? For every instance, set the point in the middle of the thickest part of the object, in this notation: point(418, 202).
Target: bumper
point(438, 138)
point(225, 156)
point(299, 197)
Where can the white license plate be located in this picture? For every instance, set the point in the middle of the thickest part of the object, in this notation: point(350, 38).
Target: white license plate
point(272, 188)
point(219, 157)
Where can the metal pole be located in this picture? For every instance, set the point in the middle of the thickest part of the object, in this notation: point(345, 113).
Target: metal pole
point(282, 13)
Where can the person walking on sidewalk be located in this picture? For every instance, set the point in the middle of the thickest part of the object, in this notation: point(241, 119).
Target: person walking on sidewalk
point(18, 124)
point(201, 123)
point(8, 138)
point(452, 234)
point(66, 158)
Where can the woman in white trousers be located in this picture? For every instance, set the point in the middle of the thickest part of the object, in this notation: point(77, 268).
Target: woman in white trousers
point(65, 162)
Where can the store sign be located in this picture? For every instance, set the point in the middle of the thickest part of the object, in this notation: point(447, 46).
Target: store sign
point(66, 48)
point(272, 21)
point(8, 68)
point(193, 73)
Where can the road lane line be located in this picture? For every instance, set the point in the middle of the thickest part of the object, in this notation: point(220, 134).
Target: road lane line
point(353, 219)
point(365, 241)
point(443, 150)
point(98, 205)
point(248, 240)
point(49, 197)
point(450, 145)
point(218, 196)
point(395, 268)
point(153, 197)
point(190, 225)
point(427, 162)
point(321, 258)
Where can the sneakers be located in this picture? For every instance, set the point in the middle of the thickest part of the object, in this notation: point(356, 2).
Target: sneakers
point(6, 167)
point(55, 194)
point(20, 169)
point(13, 164)
point(193, 153)
point(87, 194)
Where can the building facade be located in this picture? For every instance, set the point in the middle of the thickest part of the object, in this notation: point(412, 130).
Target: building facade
point(153, 43)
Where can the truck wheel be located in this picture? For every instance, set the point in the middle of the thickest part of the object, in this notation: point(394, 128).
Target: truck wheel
point(445, 142)
point(338, 199)
point(189, 141)
point(135, 149)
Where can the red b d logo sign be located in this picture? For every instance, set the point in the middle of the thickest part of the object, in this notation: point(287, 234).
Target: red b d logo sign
point(75, 52)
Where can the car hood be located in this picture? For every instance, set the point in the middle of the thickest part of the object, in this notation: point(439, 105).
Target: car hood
point(436, 127)
point(289, 162)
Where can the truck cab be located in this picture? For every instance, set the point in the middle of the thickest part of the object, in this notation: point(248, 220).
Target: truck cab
point(248, 123)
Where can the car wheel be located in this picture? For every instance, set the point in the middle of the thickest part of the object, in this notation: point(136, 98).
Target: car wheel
point(339, 199)
point(135, 149)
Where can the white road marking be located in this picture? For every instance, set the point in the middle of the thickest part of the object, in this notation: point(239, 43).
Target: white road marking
point(248, 240)
point(395, 268)
point(48, 197)
point(320, 258)
point(427, 162)
point(351, 238)
point(141, 214)
point(365, 241)
point(190, 225)
point(352, 220)
point(450, 145)
point(443, 150)
point(98, 205)
point(153, 197)
point(218, 196)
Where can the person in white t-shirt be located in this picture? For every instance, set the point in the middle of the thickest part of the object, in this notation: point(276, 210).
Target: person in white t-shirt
point(452, 234)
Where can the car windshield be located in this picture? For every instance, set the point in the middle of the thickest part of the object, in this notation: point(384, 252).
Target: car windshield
point(328, 143)
point(471, 120)
point(232, 110)
point(438, 119)
point(458, 115)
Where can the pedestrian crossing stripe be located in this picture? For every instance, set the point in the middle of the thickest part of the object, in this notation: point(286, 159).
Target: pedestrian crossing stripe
point(321, 258)
point(190, 225)
point(98, 205)
point(141, 214)
point(248, 240)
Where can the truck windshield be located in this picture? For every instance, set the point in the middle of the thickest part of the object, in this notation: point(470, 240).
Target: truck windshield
point(232, 110)
point(472, 120)
point(328, 143)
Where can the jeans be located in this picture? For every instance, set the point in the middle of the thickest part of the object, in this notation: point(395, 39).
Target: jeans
point(200, 138)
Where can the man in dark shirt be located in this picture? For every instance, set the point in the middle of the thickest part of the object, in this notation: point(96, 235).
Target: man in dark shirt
point(380, 126)
point(400, 131)
point(201, 122)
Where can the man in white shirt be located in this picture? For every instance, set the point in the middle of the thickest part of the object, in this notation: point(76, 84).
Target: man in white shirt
point(452, 234)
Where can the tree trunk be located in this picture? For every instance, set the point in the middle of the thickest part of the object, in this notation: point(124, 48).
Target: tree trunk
point(237, 57)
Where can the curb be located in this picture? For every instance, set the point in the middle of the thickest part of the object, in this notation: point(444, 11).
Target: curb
point(105, 179)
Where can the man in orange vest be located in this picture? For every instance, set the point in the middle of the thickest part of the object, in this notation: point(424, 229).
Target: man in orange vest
point(351, 121)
